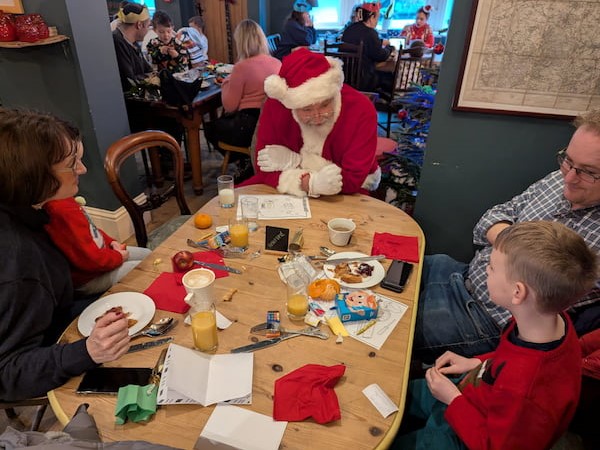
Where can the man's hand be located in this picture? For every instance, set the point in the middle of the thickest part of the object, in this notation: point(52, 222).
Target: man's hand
point(327, 181)
point(440, 386)
point(494, 231)
point(109, 338)
point(452, 364)
point(275, 158)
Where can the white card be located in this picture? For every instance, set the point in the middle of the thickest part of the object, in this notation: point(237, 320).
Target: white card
point(380, 399)
point(240, 428)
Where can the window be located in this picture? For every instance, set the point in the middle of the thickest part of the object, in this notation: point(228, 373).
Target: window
point(151, 4)
point(334, 14)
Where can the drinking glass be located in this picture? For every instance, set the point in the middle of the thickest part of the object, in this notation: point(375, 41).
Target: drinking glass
point(204, 327)
point(238, 232)
point(225, 189)
point(250, 211)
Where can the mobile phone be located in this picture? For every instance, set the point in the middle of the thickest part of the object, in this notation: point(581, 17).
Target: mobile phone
point(397, 275)
point(108, 380)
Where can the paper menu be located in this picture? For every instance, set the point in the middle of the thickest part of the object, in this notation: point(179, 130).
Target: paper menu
point(190, 376)
point(276, 206)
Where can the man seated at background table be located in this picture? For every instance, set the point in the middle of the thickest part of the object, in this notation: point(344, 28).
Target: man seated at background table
point(455, 311)
point(316, 135)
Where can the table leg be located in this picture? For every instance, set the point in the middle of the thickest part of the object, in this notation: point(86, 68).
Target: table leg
point(193, 135)
point(159, 179)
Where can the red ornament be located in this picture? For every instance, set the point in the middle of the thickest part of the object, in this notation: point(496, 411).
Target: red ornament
point(439, 48)
point(402, 114)
point(31, 28)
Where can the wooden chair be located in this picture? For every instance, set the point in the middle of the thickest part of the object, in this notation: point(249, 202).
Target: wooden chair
point(351, 56)
point(40, 402)
point(228, 148)
point(273, 42)
point(128, 146)
point(386, 98)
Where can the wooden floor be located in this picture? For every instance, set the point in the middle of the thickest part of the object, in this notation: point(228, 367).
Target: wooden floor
point(211, 169)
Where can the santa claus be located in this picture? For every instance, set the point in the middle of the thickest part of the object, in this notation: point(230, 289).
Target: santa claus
point(316, 135)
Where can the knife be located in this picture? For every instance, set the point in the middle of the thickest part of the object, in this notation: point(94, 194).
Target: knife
point(149, 344)
point(262, 344)
point(217, 266)
point(359, 259)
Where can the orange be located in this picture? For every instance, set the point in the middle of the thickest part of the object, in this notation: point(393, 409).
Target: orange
point(202, 221)
point(325, 289)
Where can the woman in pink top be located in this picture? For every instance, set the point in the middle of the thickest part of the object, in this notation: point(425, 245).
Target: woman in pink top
point(243, 94)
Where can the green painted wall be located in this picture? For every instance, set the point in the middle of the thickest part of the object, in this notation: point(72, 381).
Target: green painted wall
point(474, 161)
point(77, 80)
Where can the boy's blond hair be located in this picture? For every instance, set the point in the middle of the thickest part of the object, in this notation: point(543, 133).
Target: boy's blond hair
point(553, 260)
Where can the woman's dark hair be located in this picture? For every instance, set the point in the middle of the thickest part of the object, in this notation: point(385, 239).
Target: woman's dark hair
point(362, 15)
point(30, 144)
point(298, 17)
point(422, 10)
point(162, 18)
point(131, 7)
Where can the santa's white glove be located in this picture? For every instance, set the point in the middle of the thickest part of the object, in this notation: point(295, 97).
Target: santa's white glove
point(327, 181)
point(275, 158)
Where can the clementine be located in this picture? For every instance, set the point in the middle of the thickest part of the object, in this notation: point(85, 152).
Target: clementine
point(202, 221)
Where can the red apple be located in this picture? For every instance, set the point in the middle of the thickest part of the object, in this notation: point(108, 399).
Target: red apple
point(182, 261)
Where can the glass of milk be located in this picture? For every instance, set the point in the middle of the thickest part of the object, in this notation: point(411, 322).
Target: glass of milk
point(225, 188)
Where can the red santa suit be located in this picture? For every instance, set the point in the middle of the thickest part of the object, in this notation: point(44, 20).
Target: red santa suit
point(348, 141)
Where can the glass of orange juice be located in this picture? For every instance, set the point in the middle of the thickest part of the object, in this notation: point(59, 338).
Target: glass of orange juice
point(238, 232)
point(297, 299)
point(204, 328)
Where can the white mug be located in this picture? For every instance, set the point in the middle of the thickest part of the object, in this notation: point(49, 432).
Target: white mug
point(198, 285)
point(340, 231)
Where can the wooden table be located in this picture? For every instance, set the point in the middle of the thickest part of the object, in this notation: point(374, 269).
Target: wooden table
point(259, 290)
point(206, 101)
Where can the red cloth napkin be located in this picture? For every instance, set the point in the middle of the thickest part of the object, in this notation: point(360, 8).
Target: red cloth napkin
point(167, 291)
point(308, 392)
point(393, 246)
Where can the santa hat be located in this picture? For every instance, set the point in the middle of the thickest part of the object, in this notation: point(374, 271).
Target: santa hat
point(305, 78)
point(371, 6)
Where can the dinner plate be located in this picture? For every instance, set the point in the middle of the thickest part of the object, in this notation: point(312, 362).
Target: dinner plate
point(375, 278)
point(139, 306)
point(225, 68)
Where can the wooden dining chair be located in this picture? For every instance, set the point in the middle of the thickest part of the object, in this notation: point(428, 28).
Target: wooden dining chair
point(116, 156)
point(386, 98)
point(273, 42)
point(41, 404)
point(351, 55)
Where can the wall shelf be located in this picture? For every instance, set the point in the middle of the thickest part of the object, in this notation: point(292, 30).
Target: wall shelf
point(47, 41)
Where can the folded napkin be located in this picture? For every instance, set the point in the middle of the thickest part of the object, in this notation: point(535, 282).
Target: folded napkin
point(308, 392)
point(136, 403)
point(168, 292)
point(393, 246)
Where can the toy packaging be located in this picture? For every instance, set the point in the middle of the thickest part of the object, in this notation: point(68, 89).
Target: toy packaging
point(356, 305)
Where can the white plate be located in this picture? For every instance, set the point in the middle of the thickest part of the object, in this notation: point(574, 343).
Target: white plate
point(139, 306)
point(225, 68)
point(375, 278)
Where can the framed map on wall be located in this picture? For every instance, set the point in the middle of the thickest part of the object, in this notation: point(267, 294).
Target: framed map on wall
point(531, 57)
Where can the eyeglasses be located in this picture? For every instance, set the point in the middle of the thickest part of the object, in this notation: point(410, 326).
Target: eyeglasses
point(566, 166)
point(73, 167)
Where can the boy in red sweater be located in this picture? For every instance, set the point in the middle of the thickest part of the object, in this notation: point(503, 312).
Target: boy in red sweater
point(524, 394)
point(97, 260)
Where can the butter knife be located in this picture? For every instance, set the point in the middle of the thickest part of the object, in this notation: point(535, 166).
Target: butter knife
point(262, 344)
point(149, 344)
point(359, 259)
point(217, 266)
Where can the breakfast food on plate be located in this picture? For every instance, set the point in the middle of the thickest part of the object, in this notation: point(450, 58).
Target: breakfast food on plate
point(119, 309)
point(353, 272)
point(325, 289)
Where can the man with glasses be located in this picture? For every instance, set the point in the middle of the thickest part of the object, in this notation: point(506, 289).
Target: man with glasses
point(316, 135)
point(455, 312)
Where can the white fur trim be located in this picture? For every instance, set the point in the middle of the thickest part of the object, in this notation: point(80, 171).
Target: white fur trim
point(289, 182)
point(312, 91)
point(372, 181)
point(313, 162)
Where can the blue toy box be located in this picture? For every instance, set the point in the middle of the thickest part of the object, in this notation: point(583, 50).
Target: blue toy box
point(356, 305)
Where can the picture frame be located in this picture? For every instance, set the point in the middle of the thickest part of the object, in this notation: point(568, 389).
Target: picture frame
point(12, 6)
point(517, 66)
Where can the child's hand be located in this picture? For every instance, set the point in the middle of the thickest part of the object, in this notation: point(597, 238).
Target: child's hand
point(451, 363)
point(164, 49)
point(173, 53)
point(121, 248)
point(440, 386)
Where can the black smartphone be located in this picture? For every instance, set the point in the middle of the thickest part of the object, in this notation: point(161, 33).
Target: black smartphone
point(108, 380)
point(397, 275)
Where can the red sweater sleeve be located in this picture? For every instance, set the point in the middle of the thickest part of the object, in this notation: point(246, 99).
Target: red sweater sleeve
point(73, 234)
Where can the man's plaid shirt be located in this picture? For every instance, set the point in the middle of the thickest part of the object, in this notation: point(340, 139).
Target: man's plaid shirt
point(543, 200)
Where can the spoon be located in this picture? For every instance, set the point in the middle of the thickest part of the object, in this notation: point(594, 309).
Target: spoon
point(156, 329)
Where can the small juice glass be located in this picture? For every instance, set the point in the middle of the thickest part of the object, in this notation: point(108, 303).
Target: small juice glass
point(204, 329)
point(238, 232)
